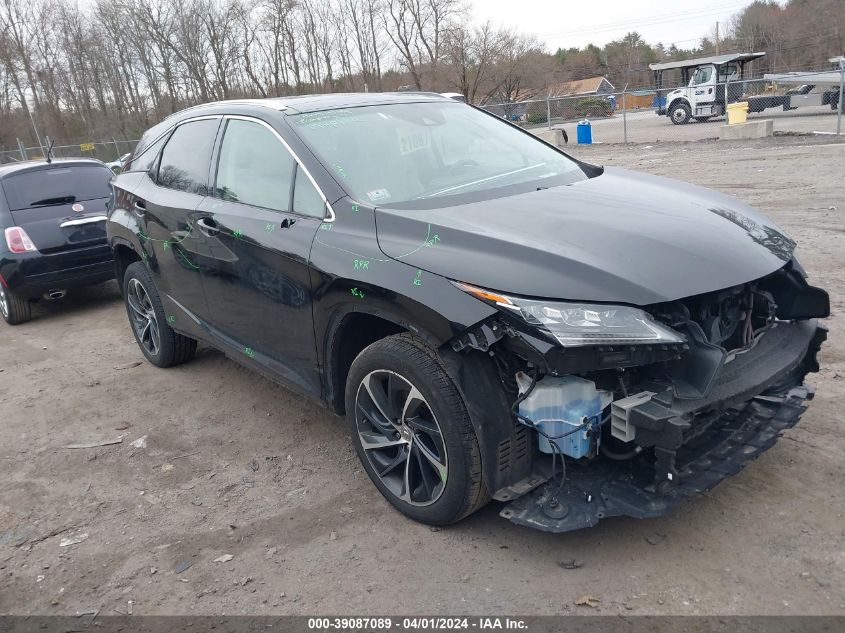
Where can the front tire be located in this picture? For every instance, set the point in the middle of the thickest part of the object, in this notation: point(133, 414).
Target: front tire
point(15, 309)
point(159, 343)
point(412, 432)
point(680, 113)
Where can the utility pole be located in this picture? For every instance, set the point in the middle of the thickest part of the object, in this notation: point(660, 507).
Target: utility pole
point(717, 37)
point(841, 60)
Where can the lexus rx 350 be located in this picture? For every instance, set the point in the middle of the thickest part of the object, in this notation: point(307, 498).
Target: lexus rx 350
point(493, 317)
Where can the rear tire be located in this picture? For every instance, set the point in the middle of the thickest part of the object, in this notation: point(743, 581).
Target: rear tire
point(15, 310)
point(421, 449)
point(159, 343)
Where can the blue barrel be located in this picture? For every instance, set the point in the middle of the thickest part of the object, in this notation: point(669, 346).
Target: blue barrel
point(585, 133)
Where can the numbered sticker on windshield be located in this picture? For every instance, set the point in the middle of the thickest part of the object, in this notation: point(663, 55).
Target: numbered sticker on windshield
point(413, 140)
point(377, 195)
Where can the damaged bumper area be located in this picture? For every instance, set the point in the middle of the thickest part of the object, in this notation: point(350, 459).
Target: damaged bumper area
point(635, 430)
point(694, 444)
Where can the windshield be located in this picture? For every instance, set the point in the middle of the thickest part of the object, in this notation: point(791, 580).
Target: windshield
point(57, 185)
point(389, 154)
point(702, 75)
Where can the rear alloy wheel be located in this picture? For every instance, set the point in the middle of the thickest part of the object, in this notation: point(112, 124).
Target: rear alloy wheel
point(14, 309)
point(680, 113)
point(412, 432)
point(143, 317)
point(161, 345)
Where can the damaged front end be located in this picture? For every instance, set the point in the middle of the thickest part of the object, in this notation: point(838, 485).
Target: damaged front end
point(628, 411)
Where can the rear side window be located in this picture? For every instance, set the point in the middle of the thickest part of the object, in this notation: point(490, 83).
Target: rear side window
point(57, 185)
point(187, 155)
point(254, 167)
point(146, 161)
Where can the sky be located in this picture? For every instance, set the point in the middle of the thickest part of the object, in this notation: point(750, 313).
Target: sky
point(566, 23)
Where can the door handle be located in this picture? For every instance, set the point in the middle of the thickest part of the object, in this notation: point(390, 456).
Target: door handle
point(208, 226)
point(140, 207)
point(288, 222)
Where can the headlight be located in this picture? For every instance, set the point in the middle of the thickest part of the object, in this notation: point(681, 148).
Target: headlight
point(580, 324)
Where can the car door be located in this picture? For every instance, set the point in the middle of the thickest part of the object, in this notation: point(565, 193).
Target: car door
point(165, 201)
point(258, 239)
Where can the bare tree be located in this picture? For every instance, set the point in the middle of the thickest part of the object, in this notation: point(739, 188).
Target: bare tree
point(471, 57)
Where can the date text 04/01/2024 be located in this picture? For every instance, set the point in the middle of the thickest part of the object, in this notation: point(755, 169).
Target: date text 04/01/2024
point(416, 623)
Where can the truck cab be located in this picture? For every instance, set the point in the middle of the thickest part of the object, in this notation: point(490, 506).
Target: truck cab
point(708, 86)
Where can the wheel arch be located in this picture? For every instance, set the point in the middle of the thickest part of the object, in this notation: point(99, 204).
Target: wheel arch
point(350, 332)
point(474, 374)
point(124, 255)
point(366, 311)
point(674, 102)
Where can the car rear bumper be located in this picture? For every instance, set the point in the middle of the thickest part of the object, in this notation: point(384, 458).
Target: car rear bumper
point(715, 437)
point(32, 274)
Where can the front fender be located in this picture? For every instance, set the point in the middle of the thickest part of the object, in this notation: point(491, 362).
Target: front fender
point(369, 281)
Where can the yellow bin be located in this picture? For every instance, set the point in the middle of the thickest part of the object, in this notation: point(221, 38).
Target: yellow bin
point(737, 112)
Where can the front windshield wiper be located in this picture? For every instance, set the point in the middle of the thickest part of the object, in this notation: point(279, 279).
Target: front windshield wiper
point(482, 181)
point(57, 200)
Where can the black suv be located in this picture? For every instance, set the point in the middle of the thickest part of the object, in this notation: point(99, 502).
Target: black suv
point(53, 217)
point(485, 310)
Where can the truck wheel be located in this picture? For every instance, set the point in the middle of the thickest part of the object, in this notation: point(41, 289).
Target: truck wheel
point(680, 113)
point(14, 309)
point(412, 433)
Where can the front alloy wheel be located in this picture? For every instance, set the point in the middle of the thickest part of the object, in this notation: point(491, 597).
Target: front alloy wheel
point(401, 437)
point(412, 431)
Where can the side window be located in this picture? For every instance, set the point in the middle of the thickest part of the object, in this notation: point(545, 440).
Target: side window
point(306, 198)
point(147, 160)
point(186, 157)
point(254, 167)
point(728, 72)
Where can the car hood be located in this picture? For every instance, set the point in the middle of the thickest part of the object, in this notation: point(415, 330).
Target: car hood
point(620, 237)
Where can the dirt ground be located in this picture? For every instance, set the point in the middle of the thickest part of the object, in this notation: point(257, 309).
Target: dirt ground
point(235, 466)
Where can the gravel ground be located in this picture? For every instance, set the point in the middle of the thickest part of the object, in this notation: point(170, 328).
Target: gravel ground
point(244, 498)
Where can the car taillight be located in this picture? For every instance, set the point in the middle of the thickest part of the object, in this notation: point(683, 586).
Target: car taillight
point(18, 241)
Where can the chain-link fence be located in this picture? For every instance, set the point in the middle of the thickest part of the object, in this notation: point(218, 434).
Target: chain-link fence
point(796, 103)
point(106, 151)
